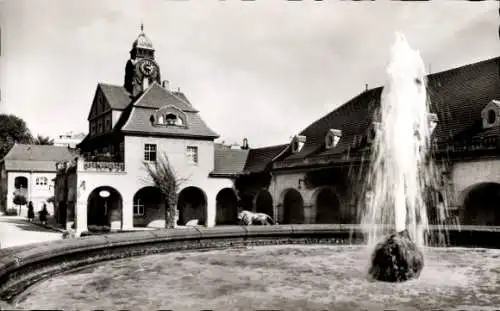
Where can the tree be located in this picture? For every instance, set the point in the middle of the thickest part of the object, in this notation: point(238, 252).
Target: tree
point(164, 177)
point(12, 130)
point(20, 200)
point(43, 140)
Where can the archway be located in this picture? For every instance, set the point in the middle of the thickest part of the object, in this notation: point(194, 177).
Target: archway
point(481, 205)
point(20, 182)
point(293, 207)
point(327, 207)
point(226, 207)
point(149, 206)
point(263, 203)
point(192, 204)
point(104, 207)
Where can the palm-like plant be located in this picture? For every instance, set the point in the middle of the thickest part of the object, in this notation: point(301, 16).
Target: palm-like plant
point(164, 177)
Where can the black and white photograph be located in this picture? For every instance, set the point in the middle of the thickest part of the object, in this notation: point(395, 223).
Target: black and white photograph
point(250, 155)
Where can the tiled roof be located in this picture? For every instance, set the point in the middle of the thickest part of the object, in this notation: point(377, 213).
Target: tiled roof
point(229, 161)
point(40, 158)
point(157, 97)
point(139, 122)
point(259, 158)
point(457, 96)
point(118, 98)
point(136, 118)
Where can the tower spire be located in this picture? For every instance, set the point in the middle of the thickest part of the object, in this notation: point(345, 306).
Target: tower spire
point(142, 26)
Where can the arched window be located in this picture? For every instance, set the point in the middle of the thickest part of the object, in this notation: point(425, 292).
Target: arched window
point(171, 119)
point(492, 116)
point(21, 182)
point(41, 181)
point(169, 116)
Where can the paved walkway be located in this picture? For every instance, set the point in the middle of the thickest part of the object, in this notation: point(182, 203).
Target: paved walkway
point(16, 230)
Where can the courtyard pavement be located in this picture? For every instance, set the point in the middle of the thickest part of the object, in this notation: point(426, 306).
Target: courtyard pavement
point(16, 231)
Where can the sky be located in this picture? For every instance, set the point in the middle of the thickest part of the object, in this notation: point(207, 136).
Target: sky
point(262, 69)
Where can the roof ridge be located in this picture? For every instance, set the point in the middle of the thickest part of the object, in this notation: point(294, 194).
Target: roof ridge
point(134, 103)
point(270, 147)
point(109, 84)
point(172, 93)
point(461, 67)
point(182, 100)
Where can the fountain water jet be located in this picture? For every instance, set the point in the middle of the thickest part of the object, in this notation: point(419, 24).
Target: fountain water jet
point(398, 174)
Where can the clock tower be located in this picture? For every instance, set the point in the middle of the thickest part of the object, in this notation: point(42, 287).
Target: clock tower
point(141, 69)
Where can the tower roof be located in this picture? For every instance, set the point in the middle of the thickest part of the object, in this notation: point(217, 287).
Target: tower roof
point(142, 41)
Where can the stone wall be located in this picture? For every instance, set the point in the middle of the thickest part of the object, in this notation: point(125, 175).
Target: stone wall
point(22, 266)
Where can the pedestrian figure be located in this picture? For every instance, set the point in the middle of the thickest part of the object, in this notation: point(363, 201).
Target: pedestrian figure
point(43, 214)
point(31, 212)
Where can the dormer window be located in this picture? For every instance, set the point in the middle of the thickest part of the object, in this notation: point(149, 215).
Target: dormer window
point(492, 116)
point(433, 121)
point(373, 131)
point(332, 138)
point(298, 143)
point(171, 119)
point(169, 116)
point(490, 113)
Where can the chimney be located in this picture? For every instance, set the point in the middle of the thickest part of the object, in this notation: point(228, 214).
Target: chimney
point(366, 87)
point(166, 85)
point(245, 144)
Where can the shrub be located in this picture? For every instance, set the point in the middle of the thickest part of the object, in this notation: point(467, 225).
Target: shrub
point(98, 229)
point(11, 212)
point(20, 199)
point(52, 199)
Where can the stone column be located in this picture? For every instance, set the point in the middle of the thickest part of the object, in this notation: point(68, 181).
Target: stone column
point(81, 216)
point(279, 213)
point(309, 215)
point(70, 214)
point(211, 208)
point(127, 213)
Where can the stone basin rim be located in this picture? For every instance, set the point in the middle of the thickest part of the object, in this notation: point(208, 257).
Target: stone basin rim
point(21, 267)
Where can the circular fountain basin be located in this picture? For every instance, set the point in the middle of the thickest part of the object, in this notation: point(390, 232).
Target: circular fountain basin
point(284, 277)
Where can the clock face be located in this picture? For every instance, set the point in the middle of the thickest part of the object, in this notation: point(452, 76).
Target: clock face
point(148, 68)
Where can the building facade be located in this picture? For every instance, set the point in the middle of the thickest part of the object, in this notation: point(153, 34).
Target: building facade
point(318, 177)
point(136, 125)
point(28, 171)
point(70, 139)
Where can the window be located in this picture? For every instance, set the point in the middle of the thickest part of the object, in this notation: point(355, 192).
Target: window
point(171, 119)
point(41, 181)
point(99, 126)
point(332, 138)
point(108, 124)
point(138, 207)
point(21, 182)
point(192, 154)
point(92, 128)
point(150, 152)
point(492, 116)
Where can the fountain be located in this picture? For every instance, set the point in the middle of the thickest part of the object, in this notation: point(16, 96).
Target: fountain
point(298, 266)
point(398, 173)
